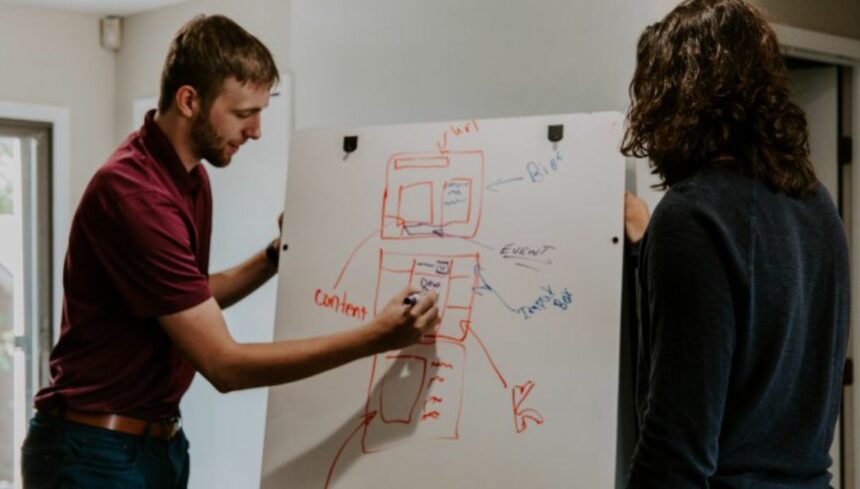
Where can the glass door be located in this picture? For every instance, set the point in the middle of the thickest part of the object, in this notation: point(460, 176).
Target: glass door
point(25, 282)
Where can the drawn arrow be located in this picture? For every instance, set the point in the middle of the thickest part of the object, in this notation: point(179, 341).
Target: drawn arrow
point(492, 187)
point(485, 286)
point(519, 394)
point(542, 261)
point(526, 414)
point(365, 421)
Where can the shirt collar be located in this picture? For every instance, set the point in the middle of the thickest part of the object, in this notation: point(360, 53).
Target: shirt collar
point(164, 153)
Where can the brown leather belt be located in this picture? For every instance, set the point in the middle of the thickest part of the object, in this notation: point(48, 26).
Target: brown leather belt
point(163, 430)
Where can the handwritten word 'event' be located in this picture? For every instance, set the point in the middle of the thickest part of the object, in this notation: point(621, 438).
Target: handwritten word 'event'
point(339, 304)
point(512, 250)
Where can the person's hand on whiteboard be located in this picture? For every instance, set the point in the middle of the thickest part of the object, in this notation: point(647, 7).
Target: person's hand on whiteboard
point(273, 251)
point(400, 324)
point(281, 224)
point(280, 230)
point(636, 217)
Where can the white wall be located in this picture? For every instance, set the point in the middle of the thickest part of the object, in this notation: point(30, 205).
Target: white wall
point(385, 61)
point(53, 58)
point(379, 61)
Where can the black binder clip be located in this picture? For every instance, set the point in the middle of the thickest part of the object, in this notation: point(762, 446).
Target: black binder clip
point(555, 133)
point(350, 143)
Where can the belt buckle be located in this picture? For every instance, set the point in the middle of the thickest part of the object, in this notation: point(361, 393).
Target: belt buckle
point(175, 426)
point(171, 426)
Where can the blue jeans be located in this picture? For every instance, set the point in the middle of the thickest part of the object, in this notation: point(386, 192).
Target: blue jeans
point(60, 454)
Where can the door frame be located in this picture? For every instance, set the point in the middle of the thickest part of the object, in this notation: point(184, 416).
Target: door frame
point(58, 118)
point(841, 51)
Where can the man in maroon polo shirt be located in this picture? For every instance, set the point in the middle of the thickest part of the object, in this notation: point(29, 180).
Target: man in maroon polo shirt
point(141, 311)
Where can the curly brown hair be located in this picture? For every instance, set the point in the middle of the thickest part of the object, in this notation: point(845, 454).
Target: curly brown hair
point(711, 87)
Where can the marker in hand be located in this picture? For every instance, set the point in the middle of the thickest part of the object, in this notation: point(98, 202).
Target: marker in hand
point(412, 299)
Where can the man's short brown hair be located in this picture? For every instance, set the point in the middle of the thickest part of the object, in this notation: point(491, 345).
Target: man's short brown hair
point(208, 50)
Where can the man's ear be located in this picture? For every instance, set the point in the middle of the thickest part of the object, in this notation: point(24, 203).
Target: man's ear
point(187, 101)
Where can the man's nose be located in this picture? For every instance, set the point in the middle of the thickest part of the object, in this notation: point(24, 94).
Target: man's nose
point(253, 130)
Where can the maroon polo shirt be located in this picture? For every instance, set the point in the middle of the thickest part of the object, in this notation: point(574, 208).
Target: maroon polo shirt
point(138, 249)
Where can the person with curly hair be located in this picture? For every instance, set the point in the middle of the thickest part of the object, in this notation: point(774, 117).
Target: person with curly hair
point(743, 274)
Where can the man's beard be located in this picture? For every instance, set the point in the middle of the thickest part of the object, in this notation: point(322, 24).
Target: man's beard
point(207, 143)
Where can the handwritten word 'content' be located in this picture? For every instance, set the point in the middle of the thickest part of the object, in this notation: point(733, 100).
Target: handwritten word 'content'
point(339, 304)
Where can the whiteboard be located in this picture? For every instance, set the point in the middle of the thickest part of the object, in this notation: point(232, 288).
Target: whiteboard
point(522, 239)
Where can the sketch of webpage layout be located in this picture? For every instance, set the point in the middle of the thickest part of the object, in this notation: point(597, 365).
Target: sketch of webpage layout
point(497, 371)
point(416, 394)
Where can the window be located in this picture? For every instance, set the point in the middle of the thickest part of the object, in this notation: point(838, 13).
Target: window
point(25, 282)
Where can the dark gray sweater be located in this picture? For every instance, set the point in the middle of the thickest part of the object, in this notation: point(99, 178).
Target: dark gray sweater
point(744, 303)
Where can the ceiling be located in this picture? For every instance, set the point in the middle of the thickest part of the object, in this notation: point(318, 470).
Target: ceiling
point(102, 7)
